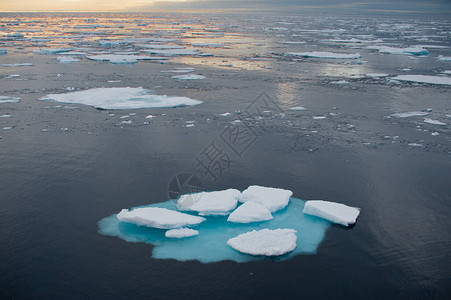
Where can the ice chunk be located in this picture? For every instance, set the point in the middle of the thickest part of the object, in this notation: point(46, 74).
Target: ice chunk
point(434, 122)
point(249, 212)
point(318, 54)
point(121, 98)
point(52, 50)
point(210, 203)
point(332, 211)
point(181, 233)
point(408, 51)
point(6, 99)
point(410, 114)
point(211, 244)
point(424, 79)
point(209, 45)
point(340, 82)
point(265, 242)
point(159, 46)
point(158, 218)
point(273, 199)
point(67, 59)
point(318, 117)
point(188, 77)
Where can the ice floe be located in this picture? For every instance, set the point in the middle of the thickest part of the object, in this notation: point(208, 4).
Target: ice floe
point(121, 98)
point(410, 114)
point(319, 54)
point(210, 203)
point(298, 108)
point(172, 52)
point(444, 58)
point(424, 79)
point(7, 99)
point(265, 242)
point(393, 50)
point(335, 212)
point(156, 217)
point(52, 50)
point(376, 75)
point(273, 199)
point(3, 51)
point(249, 212)
point(181, 233)
point(122, 58)
point(188, 77)
point(17, 65)
point(159, 46)
point(434, 122)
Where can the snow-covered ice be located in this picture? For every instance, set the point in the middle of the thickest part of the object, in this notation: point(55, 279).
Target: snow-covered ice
point(210, 203)
point(265, 242)
point(249, 212)
point(273, 199)
point(188, 77)
point(319, 54)
point(121, 98)
point(424, 79)
point(67, 59)
point(157, 217)
point(181, 233)
point(335, 212)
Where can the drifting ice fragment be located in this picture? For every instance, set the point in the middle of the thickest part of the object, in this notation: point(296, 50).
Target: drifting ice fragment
point(158, 218)
point(332, 211)
point(210, 203)
point(434, 122)
point(273, 199)
point(410, 114)
point(250, 212)
point(6, 99)
point(298, 108)
point(265, 242)
point(181, 233)
point(121, 98)
point(188, 77)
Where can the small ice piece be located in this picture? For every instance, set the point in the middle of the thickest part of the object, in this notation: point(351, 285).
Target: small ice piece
point(218, 203)
point(318, 54)
point(158, 218)
point(414, 145)
point(434, 122)
point(209, 45)
point(447, 72)
point(424, 79)
point(6, 116)
point(410, 114)
point(150, 116)
point(189, 125)
point(249, 212)
point(179, 70)
point(226, 114)
point(265, 242)
point(188, 77)
point(298, 108)
point(273, 199)
point(172, 52)
point(159, 46)
point(67, 59)
point(181, 233)
point(318, 117)
point(332, 211)
point(7, 128)
point(408, 51)
point(6, 99)
point(121, 98)
point(52, 50)
point(122, 58)
point(376, 75)
point(435, 133)
point(3, 51)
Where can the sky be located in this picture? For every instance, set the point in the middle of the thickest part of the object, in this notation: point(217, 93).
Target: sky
point(236, 6)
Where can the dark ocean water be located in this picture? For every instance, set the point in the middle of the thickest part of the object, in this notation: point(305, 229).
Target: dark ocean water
point(57, 184)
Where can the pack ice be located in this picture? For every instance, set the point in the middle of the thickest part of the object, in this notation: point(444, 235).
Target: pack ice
point(121, 98)
point(335, 212)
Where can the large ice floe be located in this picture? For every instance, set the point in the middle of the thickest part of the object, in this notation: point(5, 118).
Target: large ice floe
point(121, 98)
point(319, 54)
point(335, 212)
point(249, 233)
point(265, 242)
point(406, 51)
point(123, 58)
point(424, 79)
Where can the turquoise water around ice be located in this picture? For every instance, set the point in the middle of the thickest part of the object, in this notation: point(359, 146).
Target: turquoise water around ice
point(211, 243)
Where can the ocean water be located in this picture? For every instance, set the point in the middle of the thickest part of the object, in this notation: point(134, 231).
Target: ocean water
point(64, 167)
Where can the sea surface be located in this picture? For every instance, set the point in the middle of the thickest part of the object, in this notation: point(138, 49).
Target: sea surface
point(351, 129)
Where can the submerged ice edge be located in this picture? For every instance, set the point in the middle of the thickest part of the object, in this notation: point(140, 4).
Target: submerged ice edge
point(211, 243)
